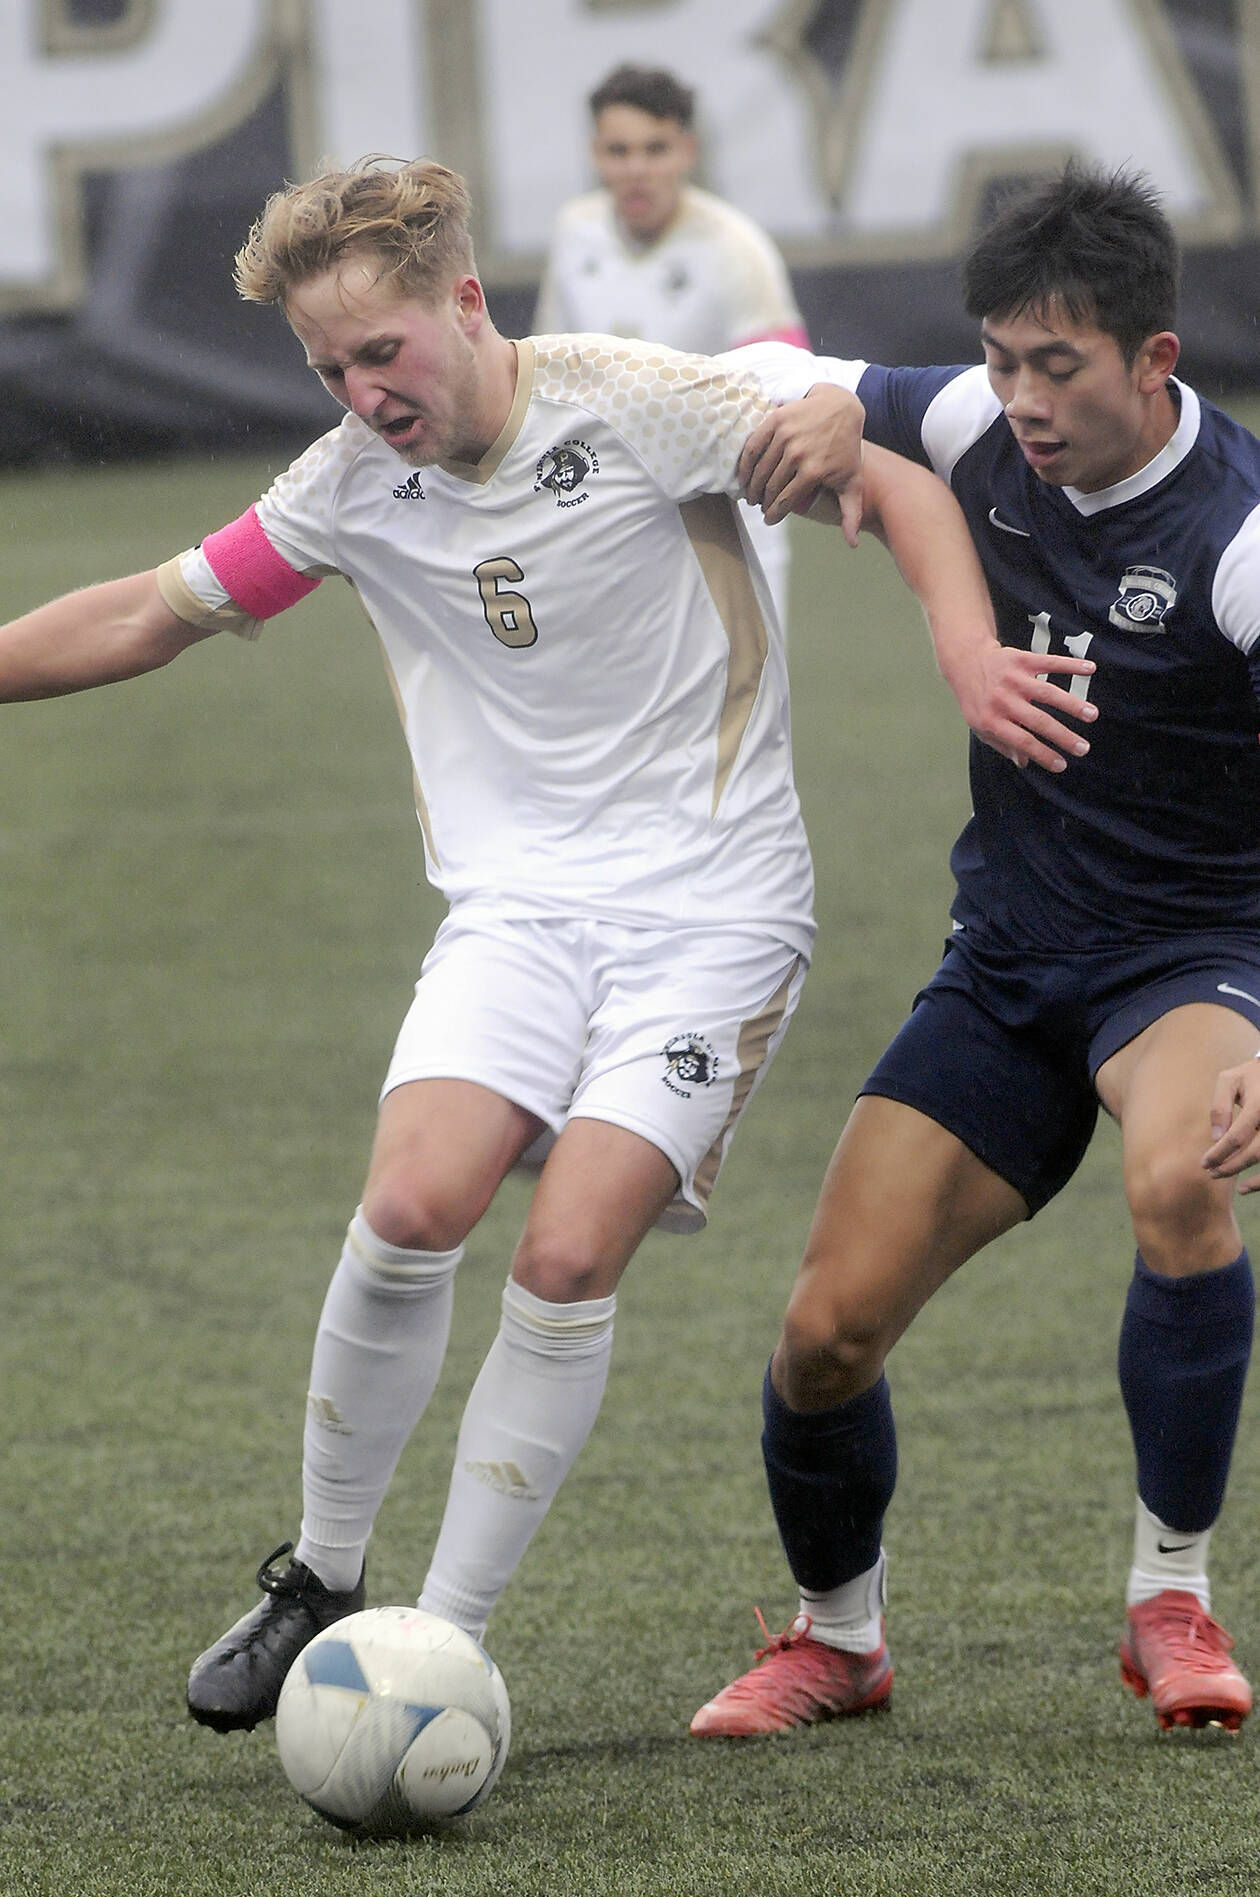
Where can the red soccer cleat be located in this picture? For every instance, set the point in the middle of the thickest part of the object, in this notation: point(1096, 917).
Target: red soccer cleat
point(796, 1681)
point(1178, 1654)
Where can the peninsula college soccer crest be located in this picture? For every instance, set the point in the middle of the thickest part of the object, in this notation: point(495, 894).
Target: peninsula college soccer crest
point(564, 469)
point(689, 1062)
point(1147, 594)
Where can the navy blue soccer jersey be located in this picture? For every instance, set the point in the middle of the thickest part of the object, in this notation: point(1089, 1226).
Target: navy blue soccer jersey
point(1157, 580)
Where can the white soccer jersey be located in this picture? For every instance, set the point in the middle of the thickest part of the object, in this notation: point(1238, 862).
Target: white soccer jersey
point(711, 281)
point(590, 677)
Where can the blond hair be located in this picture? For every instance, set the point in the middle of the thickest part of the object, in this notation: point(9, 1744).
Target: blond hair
point(409, 219)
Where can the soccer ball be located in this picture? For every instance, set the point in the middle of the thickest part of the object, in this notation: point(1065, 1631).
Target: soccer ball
point(392, 1720)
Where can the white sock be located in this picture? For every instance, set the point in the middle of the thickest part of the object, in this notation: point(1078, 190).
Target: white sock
point(851, 1615)
point(529, 1413)
point(1164, 1558)
point(378, 1353)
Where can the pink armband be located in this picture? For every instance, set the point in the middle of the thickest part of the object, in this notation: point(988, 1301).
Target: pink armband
point(249, 569)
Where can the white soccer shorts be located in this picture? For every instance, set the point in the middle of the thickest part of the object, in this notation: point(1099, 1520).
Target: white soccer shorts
point(664, 1032)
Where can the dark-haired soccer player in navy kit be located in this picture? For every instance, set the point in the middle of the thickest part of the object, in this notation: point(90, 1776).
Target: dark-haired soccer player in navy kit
point(1106, 944)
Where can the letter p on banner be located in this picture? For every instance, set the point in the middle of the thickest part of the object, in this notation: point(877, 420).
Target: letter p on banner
point(185, 73)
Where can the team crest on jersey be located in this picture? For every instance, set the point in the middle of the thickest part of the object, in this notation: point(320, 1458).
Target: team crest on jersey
point(410, 489)
point(689, 1062)
point(1147, 594)
point(564, 469)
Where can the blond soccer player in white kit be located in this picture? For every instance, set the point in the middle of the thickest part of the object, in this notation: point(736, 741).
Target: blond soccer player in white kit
point(651, 255)
point(591, 683)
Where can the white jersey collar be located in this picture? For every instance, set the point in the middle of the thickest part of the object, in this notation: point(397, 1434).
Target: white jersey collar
point(477, 473)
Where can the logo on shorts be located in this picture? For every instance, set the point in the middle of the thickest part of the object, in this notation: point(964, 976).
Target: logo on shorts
point(1147, 594)
point(689, 1062)
point(1224, 988)
point(564, 469)
point(410, 489)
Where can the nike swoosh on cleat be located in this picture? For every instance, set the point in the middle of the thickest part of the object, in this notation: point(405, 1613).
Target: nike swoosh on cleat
point(1223, 988)
point(1173, 1547)
point(995, 520)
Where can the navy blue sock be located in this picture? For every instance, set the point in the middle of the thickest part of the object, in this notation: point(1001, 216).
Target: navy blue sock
point(1184, 1348)
point(831, 1475)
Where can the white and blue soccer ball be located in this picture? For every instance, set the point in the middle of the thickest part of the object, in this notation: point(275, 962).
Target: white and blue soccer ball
point(393, 1720)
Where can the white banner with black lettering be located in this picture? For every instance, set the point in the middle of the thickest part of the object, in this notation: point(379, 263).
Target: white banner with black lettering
point(138, 138)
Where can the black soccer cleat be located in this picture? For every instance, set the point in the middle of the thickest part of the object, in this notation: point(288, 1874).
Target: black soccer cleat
point(237, 1681)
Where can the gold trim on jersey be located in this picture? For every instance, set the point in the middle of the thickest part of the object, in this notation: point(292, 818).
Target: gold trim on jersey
point(480, 472)
point(422, 808)
point(185, 604)
point(751, 1053)
point(711, 527)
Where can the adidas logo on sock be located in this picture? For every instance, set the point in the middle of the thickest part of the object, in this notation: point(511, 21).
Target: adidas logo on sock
point(507, 1477)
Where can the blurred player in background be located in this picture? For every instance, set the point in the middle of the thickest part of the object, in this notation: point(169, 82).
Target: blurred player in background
point(653, 256)
point(544, 535)
point(1106, 947)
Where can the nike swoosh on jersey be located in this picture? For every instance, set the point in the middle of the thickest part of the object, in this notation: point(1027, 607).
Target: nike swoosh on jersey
point(1223, 988)
point(1005, 526)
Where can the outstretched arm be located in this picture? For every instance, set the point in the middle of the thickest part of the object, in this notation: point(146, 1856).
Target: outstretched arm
point(997, 687)
point(113, 631)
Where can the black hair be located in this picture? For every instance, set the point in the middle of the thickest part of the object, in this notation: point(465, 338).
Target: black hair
point(651, 89)
point(1096, 243)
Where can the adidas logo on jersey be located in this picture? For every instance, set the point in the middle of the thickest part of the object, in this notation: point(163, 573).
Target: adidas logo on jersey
point(410, 489)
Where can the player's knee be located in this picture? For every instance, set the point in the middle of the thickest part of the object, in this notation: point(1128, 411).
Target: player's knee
point(415, 1214)
point(827, 1355)
point(562, 1269)
point(1175, 1206)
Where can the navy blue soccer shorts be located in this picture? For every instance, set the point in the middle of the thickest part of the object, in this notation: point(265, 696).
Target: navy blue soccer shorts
point(1003, 1045)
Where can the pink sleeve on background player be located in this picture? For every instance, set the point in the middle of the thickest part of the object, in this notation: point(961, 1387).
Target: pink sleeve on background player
point(250, 571)
point(794, 333)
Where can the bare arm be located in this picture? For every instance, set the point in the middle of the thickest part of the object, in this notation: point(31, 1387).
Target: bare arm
point(113, 631)
point(805, 448)
point(802, 454)
point(997, 687)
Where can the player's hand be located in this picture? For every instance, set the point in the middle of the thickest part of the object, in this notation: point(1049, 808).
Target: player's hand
point(1012, 706)
point(802, 447)
point(1235, 1121)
